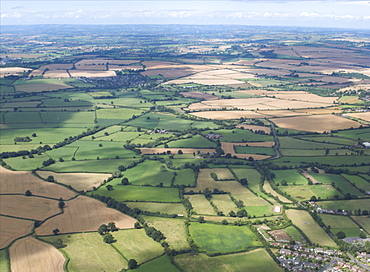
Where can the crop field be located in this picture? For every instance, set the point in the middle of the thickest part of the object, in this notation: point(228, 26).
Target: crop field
point(341, 223)
point(219, 238)
point(79, 181)
point(240, 135)
point(290, 176)
point(255, 128)
point(39, 87)
point(173, 230)
point(88, 252)
point(256, 260)
point(314, 232)
point(252, 175)
point(91, 73)
point(363, 221)
point(29, 254)
point(225, 115)
point(13, 228)
point(159, 264)
point(5, 71)
point(344, 185)
point(223, 173)
point(360, 182)
point(168, 208)
point(304, 192)
point(333, 140)
point(199, 95)
point(230, 148)
point(348, 205)
point(204, 181)
point(121, 114)
point(169, 73)
point(293, 143)
point(241, 193)
point(28, 207)
point(201, 205)
point(18, 182)
point(77, 217)
point(315, 123)
point(295, 234)
point(56, 74)
point(258, 211)
point(354, 134)
point(254, 150)
point(224, 203)
point(268, 189)
point(193, 142)
point(141, 193)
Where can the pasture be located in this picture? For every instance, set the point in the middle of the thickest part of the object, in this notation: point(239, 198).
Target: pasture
point(267, 187)
point(29, 254)
point(224, 203)
point(304, 221)
point(256, 260)
point(290, 176)
point(13, 228)
point(295, 234)
point(4, 260)
point(159, 264)
point(341, 223)
point(88, 252)
point(363, 221)
point(254, 150)
point(140, 193)
point(119, 114)
point(305, 192)
point(77, 217)
point(225, 115)
point(360, 182)
point(196, 141)
point(348, 205)
point(173, 229)
point(258, 211)
point(168, 208)
point(219, 238)
point(20, 181)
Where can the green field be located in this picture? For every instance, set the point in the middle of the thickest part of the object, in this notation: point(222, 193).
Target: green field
point(301, 152)
point(140, 193)
point(219, 238)
point(4, 261)
point(345, 186)
point(295, 234)
point(224, 203)
point(348, 205)
point(240, 135)
point(293, 143)
point(256, 260)
point(332, 140)
point(363, 221)
point(254, 150)
point(27, 164)
point(173, 229)
point(290, 176)
point(159, 264)
point(360, 182)
point(88, 252)
point(341, 223)
point(200, 204)
point(135, 244)
point(259, 210)
point(192, 142)
point(119, 114)
point(168, 208)
point(304, 192)
point(355, 134)
point(329, 160)
point(304, 221)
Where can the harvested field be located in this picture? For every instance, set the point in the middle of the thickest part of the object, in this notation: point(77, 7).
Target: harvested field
point(224, 115)
point(315, 123)
point(240, 192)
point(159, 150)
point(229, 148)
point(224, 203)
point(201, 205)
point(28, 207)
point(85, 214)
point(214, 81)
point(120, 67)
point(57, 66)
point(87, 73)
point(30, 254)
point(255, 128)
point(168, 72)
point(279, 235)
point(30, 88)
point(281, 113)
point(154, 64)
point(200, 95)
point(13, 71)
point(328, 110)
point(304, 221)
point(79, 181)
point(268, 189)
point(56, 74)
point(308, 176)
point(37, 72)
point(204, 181)
point(17, 182)
point(13, 228)
point(360, 115)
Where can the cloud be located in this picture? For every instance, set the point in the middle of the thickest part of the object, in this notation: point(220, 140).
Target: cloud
point(17, 7)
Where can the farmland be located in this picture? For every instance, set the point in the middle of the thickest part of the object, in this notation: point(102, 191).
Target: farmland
point(195, 143)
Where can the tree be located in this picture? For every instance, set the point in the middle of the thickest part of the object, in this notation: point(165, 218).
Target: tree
point(102, 229)
point(232, 214)
point(61, 204)
point(132, 264)
point(58, 243)
point(313, 198)
point(162, 168)
point(241, 213)
point(207, 193)
point(55, 231)
point(137, 225)
point(28, 193)
point(109, 187)
point(108, 238)
point(243, 181)
point(341, 235)
point(50, 179)
point(224, 222)
point(180, 152)
point(125, 181)
point(201, 219)
point(112, 226)
point(362, 235)
point(284, 182)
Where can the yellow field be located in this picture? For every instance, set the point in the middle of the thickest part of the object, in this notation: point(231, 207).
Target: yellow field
point(90, 73)
point(159, 150)
point(79, 181)
point(85, 214)
point(12, 71)
point(37, 72)
point(29, 88)
point(56, 74)
point(201, 205)
point(360, 115)
point(204, 181)
point(215, 81)
point(318, 123)
point(17, 182)
point(168, 72)
point(328, 110)
point(28, 207)
point(282, 113)
point(13, 228)
point(255, 128)
point(153, 64)
point(304, 221)
point(119, 67)
point(268, 189)
point(223, 115)
point(29, 255)
point(57, 66)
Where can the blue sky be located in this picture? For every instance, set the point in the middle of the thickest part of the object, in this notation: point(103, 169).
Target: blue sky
point(325, 13)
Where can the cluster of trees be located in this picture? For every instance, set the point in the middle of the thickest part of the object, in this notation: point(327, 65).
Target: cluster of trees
point(105, 230)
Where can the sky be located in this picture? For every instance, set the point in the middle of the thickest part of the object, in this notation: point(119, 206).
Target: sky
point(321, 13)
